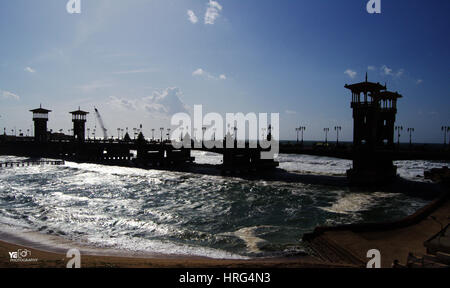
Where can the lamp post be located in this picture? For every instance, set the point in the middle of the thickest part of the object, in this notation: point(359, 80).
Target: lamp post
point(410, 131)
point(446, 129)
point(298, 131)
point(153, 134)
point(168, 134)
point(326, 130)
point(398, 129)
point(302, 129)
point(203, 133)
point(337, 129)
point(203, 136)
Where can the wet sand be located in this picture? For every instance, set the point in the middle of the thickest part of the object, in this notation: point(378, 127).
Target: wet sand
point(59, 260)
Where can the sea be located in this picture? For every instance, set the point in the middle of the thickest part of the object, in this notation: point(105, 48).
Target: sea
point(133, 211)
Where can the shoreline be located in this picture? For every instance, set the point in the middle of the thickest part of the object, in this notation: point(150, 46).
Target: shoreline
point(52, 253)
point(351, 242)
point(47, 259)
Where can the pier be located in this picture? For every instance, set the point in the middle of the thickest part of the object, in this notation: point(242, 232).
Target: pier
point(372, 151)
point(27, 163)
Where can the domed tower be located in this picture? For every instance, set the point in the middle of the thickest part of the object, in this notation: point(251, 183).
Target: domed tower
point(374, 112)
point(40, 119)
point(79, 123)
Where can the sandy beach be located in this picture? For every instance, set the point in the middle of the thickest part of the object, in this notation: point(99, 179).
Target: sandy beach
point(57, 260)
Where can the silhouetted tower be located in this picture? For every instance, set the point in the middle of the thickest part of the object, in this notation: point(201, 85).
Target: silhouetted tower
point(374, 111)
point(79, 122)
point(40, 119)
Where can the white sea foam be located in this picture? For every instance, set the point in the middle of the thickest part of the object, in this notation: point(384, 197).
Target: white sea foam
point(151, 211)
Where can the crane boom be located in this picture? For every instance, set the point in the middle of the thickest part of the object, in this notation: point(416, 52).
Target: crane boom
point(100, 121)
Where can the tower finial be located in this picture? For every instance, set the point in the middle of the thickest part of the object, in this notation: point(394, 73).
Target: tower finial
point(366, 76)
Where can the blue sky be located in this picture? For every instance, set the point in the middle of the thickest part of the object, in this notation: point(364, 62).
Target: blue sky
point(138, 61)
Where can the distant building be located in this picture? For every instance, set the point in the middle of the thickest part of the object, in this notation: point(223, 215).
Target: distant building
point(374, 112)
point(40, 119)
point(79, 123)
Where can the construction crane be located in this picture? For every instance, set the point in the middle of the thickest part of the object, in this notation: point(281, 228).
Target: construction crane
point(102, 125)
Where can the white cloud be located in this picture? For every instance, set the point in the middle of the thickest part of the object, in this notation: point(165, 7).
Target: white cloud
point(350, 73)
point(192, 17)
point(371, 68)
point(162, 104)
point(290, 112)
point(386, 70)
point(122, 103)
point(212, 12)
point(29, 69)
point(9, 95)
point(165, 103)
point(419, 81)
point(202, 73)
point(399, 72)
point(198, 72)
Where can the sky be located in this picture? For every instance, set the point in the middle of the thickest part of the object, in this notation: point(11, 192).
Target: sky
point(140, 61)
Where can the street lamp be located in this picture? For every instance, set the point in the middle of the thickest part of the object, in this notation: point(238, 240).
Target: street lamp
point(398, 129)
point(153, 134)
point(203, 133)
point(302, 129)
point(337, 129)
point(410, 130)
point(168, 134)
point(446, 129)
point(326, 130)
